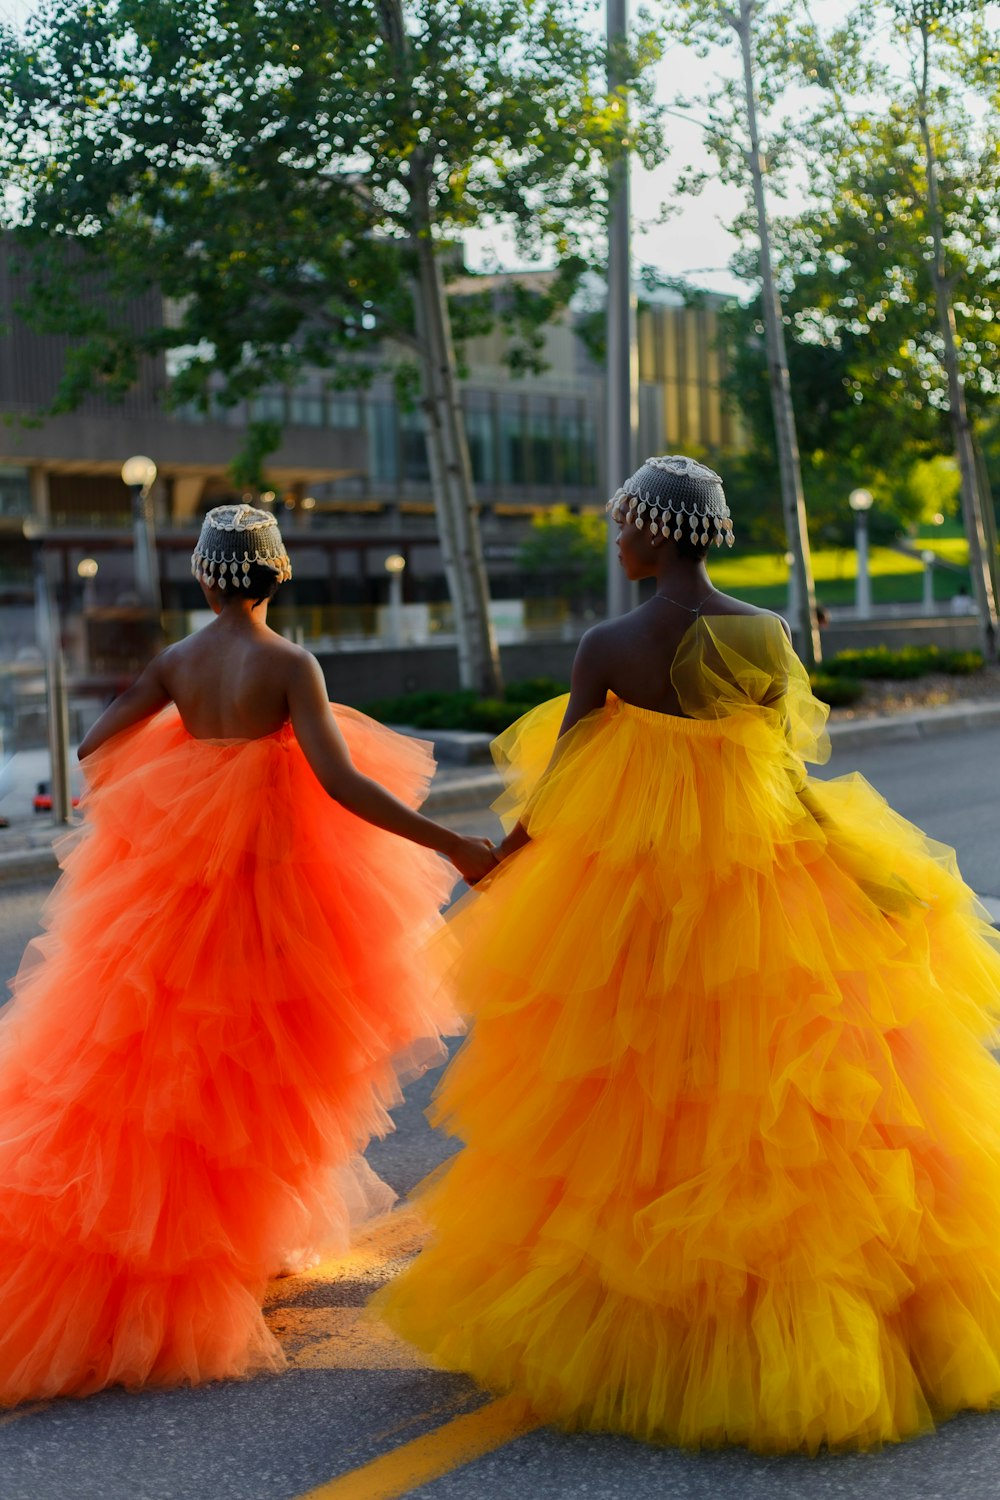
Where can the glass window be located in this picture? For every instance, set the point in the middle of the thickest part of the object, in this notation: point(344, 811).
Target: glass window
point(513, 456)
point(344, 411)
point(541, 446)
point(269, 406)
point(482, 446)
point(416, 466)
point(15, 491)
point(383, 461)
point(306, 409)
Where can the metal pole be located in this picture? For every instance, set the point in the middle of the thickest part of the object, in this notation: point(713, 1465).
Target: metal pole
point(56, 698)
point(927, 558)
point(147, 572)
point(863, 586)
point(396, 608)
point(622, 366)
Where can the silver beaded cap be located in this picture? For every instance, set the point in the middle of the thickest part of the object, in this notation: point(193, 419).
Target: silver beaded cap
point(673, 495)
point(232, 537)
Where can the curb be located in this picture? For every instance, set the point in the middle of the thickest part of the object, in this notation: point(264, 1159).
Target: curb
point(473, 791)
point(851, 734)
point(28, 864)
point(463, 793)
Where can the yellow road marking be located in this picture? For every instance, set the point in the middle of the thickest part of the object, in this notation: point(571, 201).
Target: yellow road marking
point(427, 1458)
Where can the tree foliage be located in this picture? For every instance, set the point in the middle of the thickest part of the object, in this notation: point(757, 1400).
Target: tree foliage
point(855, 261)
point(569, 549)
point(253, 161)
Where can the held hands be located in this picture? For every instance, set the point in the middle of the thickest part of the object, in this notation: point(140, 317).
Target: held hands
point(474, 859)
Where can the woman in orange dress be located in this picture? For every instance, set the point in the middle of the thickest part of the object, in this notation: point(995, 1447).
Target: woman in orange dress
point(731, 1165)
point(214, 1024)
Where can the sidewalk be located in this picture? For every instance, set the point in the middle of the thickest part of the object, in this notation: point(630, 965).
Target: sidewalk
point(26, 847)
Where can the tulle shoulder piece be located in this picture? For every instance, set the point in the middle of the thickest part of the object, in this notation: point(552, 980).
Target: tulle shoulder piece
point(738, 664)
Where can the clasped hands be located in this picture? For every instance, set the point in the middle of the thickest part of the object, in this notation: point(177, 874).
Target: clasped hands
point(475, 858)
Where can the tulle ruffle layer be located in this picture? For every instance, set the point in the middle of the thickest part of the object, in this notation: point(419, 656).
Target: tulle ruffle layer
point(732, 1165)
point(210, 1031)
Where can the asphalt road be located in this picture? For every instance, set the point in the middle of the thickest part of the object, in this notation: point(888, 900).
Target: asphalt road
point(359, 1417)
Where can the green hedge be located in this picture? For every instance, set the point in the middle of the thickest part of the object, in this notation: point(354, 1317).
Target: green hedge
point(465, 709)
point(839, 683)
point(907, 662)
point(838, 692)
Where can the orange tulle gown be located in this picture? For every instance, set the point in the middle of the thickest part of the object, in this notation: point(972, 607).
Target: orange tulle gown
point(732, 1128)
point(233, 976)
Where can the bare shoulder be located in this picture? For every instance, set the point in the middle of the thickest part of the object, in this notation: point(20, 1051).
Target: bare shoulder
point(739, 607)
point(598, 638)
point(298, 666)
point(728, 604)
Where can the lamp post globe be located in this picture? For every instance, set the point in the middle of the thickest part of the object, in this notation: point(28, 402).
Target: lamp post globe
point(395, 565)
point(928, 559)
point(861, 502)
point(139, 474)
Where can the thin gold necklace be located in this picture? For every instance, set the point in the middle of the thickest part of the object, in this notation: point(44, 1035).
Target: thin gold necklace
point(691, 609)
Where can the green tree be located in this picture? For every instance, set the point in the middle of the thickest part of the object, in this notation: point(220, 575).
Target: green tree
point(731, 118)
point(570, 550)
point(293, 176)
point(895, 262)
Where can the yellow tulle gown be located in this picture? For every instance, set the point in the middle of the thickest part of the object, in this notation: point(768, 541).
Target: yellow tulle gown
point(731, 1170)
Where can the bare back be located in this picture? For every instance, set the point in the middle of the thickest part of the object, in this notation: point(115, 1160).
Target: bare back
point(634, 654)
point(231, 679)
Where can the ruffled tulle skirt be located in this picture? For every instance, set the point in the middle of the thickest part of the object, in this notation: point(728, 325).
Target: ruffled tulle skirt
point(232, 981)
point(732, 1129)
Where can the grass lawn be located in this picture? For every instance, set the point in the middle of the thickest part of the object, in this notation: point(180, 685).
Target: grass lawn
point(762, 577)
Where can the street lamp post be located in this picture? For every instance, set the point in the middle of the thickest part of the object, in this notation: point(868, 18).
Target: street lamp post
point(860, 502)
point(395, 563)
point(793, 605)
point(87, 570)
point(56, 695)
point(139, 474)
point(928, 559)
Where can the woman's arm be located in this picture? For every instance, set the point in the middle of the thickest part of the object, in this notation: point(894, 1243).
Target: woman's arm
point(588, 691)
point(147, 695)
point(327, 753)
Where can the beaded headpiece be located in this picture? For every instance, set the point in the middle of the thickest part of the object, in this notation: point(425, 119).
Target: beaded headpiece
point(232, 537)
point(672, 495)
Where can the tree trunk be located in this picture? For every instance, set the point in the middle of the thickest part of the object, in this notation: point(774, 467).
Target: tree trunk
point(972, 507)
point(621, 370)
point(448, 451)
point(793, 503)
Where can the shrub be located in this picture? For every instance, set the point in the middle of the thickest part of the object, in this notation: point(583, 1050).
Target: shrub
point(534, 690)
point(425, 710)
point(464, 709)
point(838, 692)
point(908, 662)
point(962, 663)
point(493, 715)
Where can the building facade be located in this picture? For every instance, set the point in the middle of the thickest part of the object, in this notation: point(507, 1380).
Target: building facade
point(350, 482)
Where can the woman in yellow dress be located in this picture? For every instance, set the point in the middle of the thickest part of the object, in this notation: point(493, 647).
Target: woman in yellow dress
point(731, 1166)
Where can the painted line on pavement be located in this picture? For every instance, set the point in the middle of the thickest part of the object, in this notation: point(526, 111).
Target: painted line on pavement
point(437, 1453)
